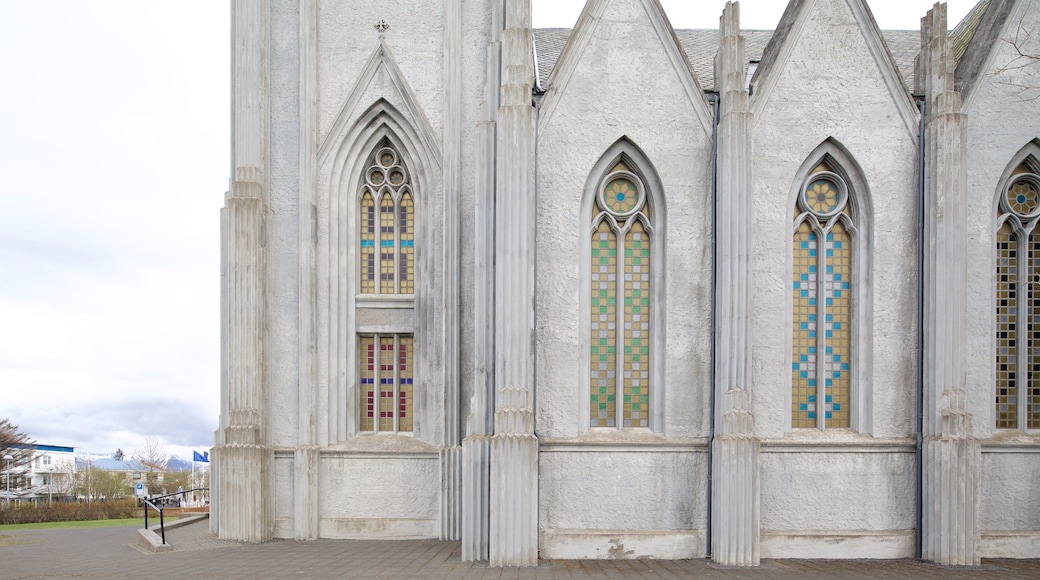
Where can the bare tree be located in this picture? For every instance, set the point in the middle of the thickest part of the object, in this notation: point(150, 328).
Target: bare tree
point(1025, 45)
point(63, 480)
point(152, 455)
point(16, 451)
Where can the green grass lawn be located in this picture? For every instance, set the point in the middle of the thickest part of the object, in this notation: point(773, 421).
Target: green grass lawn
point(136, 522)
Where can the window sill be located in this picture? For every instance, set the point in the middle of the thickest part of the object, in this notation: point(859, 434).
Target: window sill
point(384, 301)
point(382, 444)
point(609, 439)
point(1013, 441)
point(837, 441)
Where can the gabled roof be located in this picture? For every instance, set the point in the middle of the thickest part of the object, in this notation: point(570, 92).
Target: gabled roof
point(107, 464)
point(974, 39)
point(568, 50)
point(701, 45)
point(962, 34)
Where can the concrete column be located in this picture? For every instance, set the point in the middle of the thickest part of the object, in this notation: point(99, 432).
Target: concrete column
point(307, 459)
point(735, 451)
point(951, 455)
point(514, 481)
point(451, 453)
point(476, 447)
point(244, 459)
point(513, 537)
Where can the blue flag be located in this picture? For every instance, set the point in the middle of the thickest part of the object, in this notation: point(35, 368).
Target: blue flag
point(201, 457)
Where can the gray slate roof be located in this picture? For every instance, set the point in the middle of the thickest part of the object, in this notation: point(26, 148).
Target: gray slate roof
point(701, 45)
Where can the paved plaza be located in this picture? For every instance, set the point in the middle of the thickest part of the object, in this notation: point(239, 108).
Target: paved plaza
point(112, 553)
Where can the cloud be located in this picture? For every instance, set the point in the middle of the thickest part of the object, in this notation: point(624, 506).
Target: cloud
point(113, 147)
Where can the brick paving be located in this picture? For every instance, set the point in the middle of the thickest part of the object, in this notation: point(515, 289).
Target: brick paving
point(111, 553)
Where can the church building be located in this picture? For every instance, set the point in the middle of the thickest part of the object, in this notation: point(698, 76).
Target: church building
point(627, 291)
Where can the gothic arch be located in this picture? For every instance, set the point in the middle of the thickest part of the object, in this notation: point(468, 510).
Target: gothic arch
point(833, 162)
point(381, 125)
point(652, 220)
point(1017, 299)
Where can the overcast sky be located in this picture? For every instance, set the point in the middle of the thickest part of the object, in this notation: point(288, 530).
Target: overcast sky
point(113, 162)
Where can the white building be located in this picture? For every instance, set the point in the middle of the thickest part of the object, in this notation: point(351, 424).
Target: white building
point(48, 474)
point(610, 292)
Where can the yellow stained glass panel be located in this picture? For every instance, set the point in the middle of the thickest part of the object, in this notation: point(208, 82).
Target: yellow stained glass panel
point(406, 267)
point(803, 348)
point(837, 321)
point(603, 410)
point(386, 245)
point(636, 356)
point(368, 244)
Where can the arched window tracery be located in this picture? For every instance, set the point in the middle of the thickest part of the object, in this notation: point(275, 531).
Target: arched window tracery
point(822, 309)
point(1018, 300)
point(621, 302)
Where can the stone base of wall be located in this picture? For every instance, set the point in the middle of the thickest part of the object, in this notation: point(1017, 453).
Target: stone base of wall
point(845, 544)
point(1009, 544)
point(380, 528)
point(622, 544)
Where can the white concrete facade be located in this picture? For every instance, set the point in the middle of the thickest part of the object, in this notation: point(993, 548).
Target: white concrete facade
point(507, 178)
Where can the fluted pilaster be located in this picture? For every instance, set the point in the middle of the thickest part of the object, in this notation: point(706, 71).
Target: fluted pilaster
point(951, 454)
point(476, 447)
point(242, 457)
point(735, 481)
point(451, 455)
point(514, 481)
point(513, 510)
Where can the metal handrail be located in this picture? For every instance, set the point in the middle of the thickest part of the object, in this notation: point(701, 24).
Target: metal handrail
point(162, 523)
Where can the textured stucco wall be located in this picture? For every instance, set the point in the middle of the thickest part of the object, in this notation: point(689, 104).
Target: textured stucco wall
point(616, 490)
point(347, 42)
point(379, 496)
point(1002, 118)
point(282, 300)
point(347, 37)
point(1011, 492)
point(831, 87)
point(617, 91)
point(628, 90)
point(852, 491)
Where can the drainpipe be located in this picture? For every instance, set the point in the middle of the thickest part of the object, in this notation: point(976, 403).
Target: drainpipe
point(713, 98)
point(920, 328)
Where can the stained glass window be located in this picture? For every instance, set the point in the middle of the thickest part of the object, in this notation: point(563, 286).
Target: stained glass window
point(821, 342)
point(368, 244)
point(391, 268)
point(620, 293)
point(386, 383)
point(1017, 385)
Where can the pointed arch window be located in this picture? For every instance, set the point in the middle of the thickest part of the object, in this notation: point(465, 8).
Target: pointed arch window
point(1018, 301)
point(386, 279)
point(822, 349)
point(621, 301)
point(387, 228)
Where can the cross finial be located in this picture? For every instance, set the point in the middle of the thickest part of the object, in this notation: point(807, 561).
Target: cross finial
point(381, 27)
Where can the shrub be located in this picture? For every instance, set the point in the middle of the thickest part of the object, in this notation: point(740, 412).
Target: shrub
point(29, 513)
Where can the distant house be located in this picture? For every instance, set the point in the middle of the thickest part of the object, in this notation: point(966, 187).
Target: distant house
point(48, 475)
point(133, 472)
